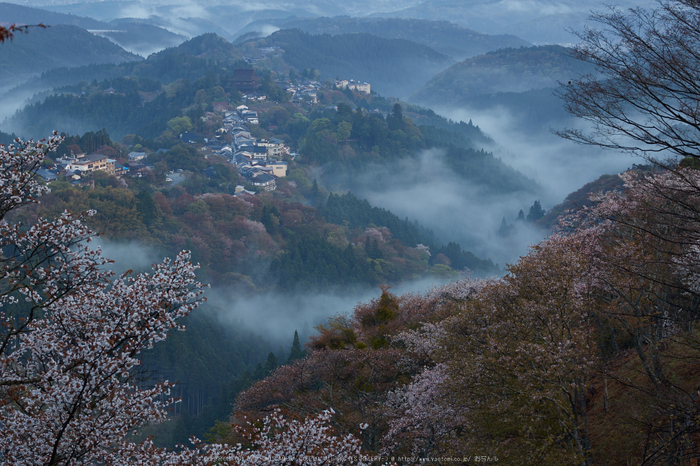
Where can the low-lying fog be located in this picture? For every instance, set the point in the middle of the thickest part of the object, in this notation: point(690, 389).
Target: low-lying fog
point(455, 210)
point(273, 316)
point(276, 316)
point(427, 191)
point(558, 165)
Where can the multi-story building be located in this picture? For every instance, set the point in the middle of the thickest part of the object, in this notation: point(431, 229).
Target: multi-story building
point(358, 86)
point(93, 162)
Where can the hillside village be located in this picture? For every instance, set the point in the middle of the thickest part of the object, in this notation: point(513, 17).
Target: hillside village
point(260, 161)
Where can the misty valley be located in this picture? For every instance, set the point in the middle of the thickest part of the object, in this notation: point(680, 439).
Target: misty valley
point(394, 233)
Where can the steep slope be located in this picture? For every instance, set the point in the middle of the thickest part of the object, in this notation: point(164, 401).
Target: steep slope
point(53, 47)
point(184, 61)
point(392, 66)
point(122, 112)
point(447, 38)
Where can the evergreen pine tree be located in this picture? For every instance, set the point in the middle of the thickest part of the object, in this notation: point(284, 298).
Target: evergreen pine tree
point(395, 118)
point(146, 206)
point(271, 363)
point(536, 212)
point(295, 352)
point(259, 372)
point(376, 252)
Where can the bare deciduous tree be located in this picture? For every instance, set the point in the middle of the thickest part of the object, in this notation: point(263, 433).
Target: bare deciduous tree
point(645, 98)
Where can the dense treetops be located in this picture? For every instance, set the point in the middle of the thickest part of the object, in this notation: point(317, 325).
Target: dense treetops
point(131, 105)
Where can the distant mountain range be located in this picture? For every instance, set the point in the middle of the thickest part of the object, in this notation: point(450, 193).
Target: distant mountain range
point(13, 13)
point(56, 46)
point(447, 38)
point(537, 21)
point(133, 35)
point(393, 67)
point(398, 57)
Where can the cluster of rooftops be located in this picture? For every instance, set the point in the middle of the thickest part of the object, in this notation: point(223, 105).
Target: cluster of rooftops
point(258, 160)
point(76, 166)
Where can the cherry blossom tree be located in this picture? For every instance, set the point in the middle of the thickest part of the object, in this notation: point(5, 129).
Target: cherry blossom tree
point(425, 417)
point(274, 441)
point(376, 369)
point(642, 244)
point(70, 337)
point(645, 99)
point(71, 332)
point(519, 358)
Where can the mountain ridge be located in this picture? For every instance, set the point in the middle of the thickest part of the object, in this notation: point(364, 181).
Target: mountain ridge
point(447, 38)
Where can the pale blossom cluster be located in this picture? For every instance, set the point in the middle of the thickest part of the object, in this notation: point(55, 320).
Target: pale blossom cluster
point(459, 290)
point(254, 227)
point(70, 338)
point(424, 248)
point(282, 441)
point(18, 165)
point(423, 415)
point(380, 234)
point(423, 341)
point(276, 441)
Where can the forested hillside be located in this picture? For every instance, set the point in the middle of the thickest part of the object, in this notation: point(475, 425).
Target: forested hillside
point(142, 104)
point(309, 236)
point(346, 142)
point(565, 359)
point(132, 35)
point(190, 60)
point(507, 70)
point(246, 246)
point(395, 67)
